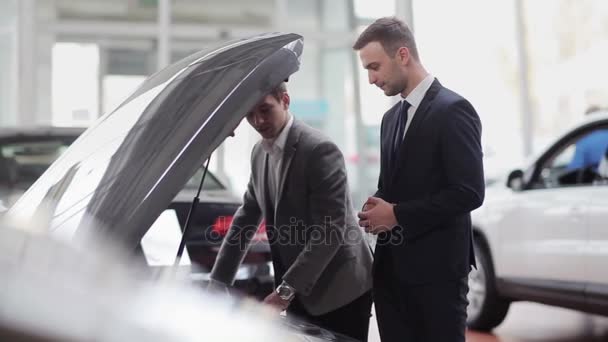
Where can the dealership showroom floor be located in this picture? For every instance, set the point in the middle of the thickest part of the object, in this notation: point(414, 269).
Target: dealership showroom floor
point(529, 322)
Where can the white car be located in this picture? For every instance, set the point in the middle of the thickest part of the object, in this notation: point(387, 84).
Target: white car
point(542, 236)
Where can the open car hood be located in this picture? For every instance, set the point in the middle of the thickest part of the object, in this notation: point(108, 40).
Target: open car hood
point(124, 170)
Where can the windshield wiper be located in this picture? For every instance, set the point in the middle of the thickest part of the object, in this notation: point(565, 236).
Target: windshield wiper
point(195, 201)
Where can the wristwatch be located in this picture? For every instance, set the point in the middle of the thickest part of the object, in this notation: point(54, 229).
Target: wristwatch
point(285, 291)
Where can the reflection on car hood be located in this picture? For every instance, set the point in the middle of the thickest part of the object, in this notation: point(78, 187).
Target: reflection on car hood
point(122, 172)
point(98, 295)
point(312, 333)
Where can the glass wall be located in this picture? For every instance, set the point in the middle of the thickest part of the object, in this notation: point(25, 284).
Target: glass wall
point(323, 91)
point(476, 56)
point(104, 49)
point(75, 84)
point(8, 61)
point(564, 47)
point(568, 50)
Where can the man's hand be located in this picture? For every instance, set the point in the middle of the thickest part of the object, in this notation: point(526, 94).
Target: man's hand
point(276, 302)
point(377, 216)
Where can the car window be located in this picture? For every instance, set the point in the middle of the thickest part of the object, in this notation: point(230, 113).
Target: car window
point(602, 169)
point(575, 162)
point(21, 163)
point(555, 167)
point(563, 158)
point(211, 182)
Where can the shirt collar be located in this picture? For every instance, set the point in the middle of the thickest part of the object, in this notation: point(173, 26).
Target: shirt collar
point(278, 144)
point(414, 98)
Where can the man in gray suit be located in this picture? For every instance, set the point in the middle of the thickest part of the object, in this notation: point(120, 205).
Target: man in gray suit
point(298, 184)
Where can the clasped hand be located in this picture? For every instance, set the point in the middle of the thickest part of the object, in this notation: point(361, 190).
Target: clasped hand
point(377, 216)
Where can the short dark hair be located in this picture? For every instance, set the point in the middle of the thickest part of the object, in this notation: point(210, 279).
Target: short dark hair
point(391, 33)
point(278, 91)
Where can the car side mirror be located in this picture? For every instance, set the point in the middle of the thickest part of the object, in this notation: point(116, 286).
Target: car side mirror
point(515, 180)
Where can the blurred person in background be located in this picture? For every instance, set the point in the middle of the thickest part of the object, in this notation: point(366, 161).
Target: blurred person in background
point(602, 170)
point(591, 148)
point(431, 178)
point(298, 184)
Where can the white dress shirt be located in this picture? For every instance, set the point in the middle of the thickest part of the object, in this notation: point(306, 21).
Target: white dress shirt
point(414, 98)
point(275, 148)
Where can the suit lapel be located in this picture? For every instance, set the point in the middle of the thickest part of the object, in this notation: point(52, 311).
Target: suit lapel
point(290, 149)
point(261, 189)
point(419, 116)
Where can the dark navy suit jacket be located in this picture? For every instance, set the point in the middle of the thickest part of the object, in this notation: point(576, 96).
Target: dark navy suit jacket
point(436, 180)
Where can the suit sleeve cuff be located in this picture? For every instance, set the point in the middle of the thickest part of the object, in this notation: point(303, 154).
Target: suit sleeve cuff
point(395, 212)
point(301, 286)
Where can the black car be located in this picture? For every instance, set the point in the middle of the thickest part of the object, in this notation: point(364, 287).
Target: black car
point(27, 152)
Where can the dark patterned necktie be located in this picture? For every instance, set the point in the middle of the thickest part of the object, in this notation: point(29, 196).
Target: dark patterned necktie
point(400, 129)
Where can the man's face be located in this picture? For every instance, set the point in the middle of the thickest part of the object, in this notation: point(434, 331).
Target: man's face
point(384, 71)
point(269, 116)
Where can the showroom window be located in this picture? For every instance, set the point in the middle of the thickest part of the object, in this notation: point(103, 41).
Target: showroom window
point(75, 84)
point(8, 61)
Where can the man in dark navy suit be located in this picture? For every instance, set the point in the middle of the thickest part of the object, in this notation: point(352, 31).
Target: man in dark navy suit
point(431, 178)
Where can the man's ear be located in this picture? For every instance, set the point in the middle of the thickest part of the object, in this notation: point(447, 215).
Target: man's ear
point(403, 55)
point(286, 100)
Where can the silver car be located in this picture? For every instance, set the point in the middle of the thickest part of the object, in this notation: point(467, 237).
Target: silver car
point(27, 152)
point(123, 172)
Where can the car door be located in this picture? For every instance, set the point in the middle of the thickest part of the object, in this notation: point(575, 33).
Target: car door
point(597, 252)
point(545, 235)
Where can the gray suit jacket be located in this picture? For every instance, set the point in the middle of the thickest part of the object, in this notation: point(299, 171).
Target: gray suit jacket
point(331, 266)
